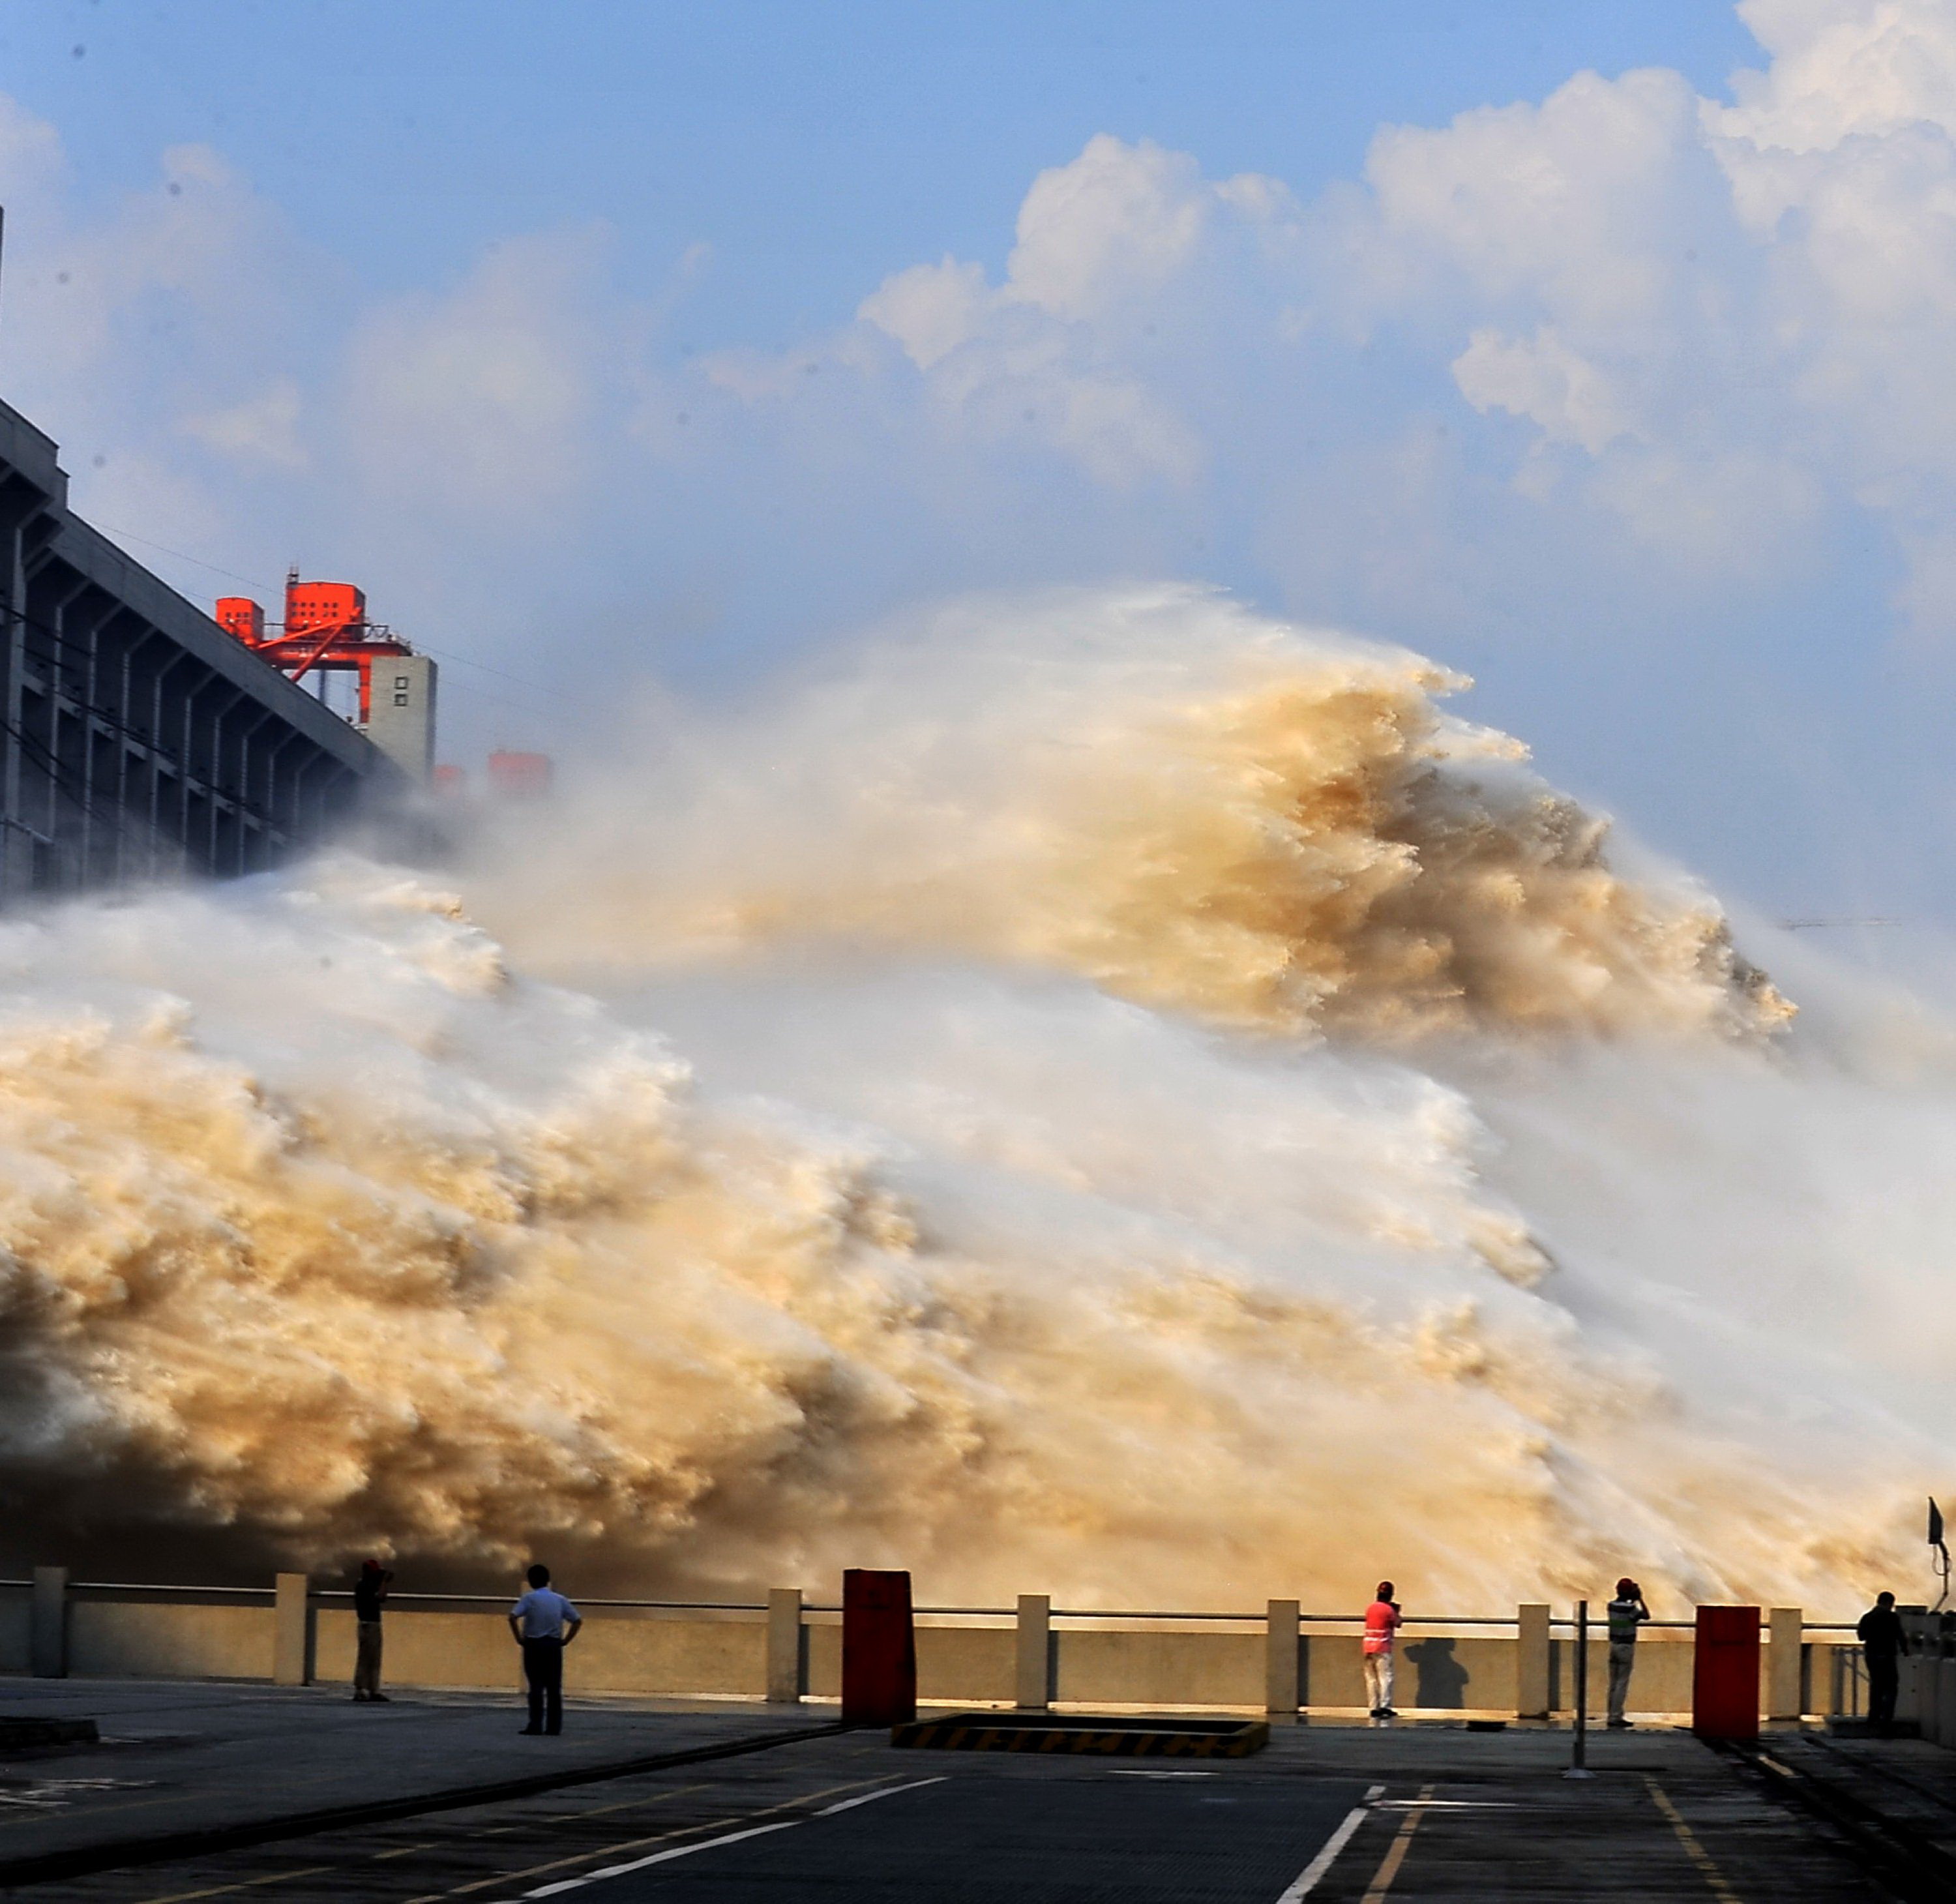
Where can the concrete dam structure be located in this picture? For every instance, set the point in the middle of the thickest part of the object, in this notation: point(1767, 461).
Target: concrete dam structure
point(141, 739)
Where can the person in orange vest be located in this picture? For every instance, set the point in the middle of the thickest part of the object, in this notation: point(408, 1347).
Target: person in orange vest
point(1381, 1621)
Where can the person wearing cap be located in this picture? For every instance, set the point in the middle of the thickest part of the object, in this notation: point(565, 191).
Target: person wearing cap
point(370, 1589)
point(1627, 1612)
point(1381, 1621)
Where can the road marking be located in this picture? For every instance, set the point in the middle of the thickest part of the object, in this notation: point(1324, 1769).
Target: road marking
point(658, 1858)
point(1309, 1880)
point(725, 1838)
point(629, 1844)
point(1710, 1872)
point(870, 1798)
point(623, 1804)
point(632, 1844)
point(217, 1890)
point(433, 1844)
point(1447, 1805)
point(1389, 1865)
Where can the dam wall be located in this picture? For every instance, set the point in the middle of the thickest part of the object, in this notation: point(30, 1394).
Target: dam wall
point(787, 1648)
point(138, 740)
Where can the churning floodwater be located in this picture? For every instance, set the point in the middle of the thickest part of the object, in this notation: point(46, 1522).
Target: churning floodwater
point(1103, 1094)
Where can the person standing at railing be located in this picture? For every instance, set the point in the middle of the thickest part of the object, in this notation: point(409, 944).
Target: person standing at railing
point(544, 1623)
point(1381, 1622)
point(370, 1589)
point(1627, 1612)
point(1881, 1646)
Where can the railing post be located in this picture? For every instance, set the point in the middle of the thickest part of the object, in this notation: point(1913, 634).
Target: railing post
point(784, 1645)
point(292, 1640)
point(1784, 1628)
point(1531, 1661)
point(1578, 1743)
point(1033, 1682)
point(47, 1641)
point(1280, 1682)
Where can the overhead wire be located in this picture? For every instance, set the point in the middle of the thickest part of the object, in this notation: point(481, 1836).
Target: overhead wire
point(184, 769)
point(444, 654)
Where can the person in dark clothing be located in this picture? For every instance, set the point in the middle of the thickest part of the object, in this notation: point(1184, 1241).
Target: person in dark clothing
point(544, 1623)
point(370, 1589)
point(1881, 1646)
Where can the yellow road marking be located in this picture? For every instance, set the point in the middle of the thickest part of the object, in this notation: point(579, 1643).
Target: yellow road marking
point(217, 1890)
point(408, 1851)
point(1699, 1856)
point(1389, 1865)
point(623, 1804)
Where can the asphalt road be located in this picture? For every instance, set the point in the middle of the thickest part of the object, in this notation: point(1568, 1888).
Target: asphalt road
point(1057, 1832)
point(1434, 1813)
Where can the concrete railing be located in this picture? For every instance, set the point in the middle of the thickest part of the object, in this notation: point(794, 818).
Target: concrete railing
point(1280, 1660)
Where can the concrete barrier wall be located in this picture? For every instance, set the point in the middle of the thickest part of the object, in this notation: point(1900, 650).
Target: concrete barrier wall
point(960, 1665)
point(713, 1657)
point(1449, 1673)
point(140, 1638)
point(957, 1666)
point(423, 1649)
point(1126, 1667)
point(1149, 1663)
point(1661, 1682)
point(628, 1651)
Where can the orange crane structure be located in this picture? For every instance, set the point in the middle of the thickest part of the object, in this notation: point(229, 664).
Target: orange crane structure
point(326, 630)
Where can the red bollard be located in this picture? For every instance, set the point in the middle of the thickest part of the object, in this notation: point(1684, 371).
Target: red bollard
point(1725, 1673)
point(878, 1649)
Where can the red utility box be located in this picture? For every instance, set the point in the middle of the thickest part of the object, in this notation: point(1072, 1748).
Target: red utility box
point(1725, 1673)
point(878, 1649)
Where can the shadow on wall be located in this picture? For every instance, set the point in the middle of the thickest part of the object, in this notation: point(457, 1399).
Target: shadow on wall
point(1441, 1679)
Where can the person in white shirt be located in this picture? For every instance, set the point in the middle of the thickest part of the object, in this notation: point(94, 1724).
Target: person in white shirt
point(544, 1623)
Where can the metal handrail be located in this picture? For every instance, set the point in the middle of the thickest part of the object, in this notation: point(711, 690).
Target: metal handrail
point(507, 1599)
point(159, 1586)
point(1007, 1614)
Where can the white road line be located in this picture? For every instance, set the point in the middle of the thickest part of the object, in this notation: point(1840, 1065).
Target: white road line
point(1312, 1875)
point(659, 1858)
point(726, 1838)
point(870, 1798)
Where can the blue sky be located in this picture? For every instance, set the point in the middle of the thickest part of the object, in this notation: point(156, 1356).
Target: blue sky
point(817, 148)
point(605, 341)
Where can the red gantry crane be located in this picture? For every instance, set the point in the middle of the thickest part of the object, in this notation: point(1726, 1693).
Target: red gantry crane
point(325, 628)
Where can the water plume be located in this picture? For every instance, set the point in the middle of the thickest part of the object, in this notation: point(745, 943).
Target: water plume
point(1105, 1094)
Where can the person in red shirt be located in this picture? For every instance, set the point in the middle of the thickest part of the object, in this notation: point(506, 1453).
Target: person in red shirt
point(1381, 1621)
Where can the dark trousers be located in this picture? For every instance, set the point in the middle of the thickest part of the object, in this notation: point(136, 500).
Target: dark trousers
point(1880, 1687)
point(543, 1667)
